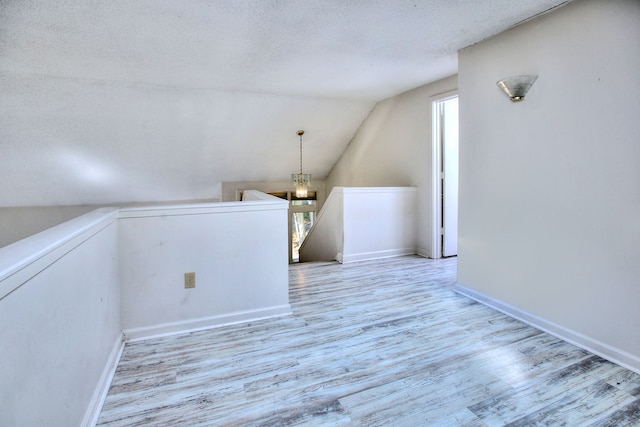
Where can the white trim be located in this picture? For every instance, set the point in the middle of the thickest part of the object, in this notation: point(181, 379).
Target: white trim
point(436, 168)
point(444, 95)
point(102, 388)
point(422, 252)
point(204, 208)
point(202, 323)
point(365, 256)
point(21, 261)
point(606, 351)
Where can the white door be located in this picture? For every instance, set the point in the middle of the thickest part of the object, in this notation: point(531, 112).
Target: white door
point(449, 177)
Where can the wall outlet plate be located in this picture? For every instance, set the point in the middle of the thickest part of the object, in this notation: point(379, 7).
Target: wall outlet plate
point(189, 280)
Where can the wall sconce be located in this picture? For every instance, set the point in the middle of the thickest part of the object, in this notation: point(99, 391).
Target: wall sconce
point(516, 87)
point(301, 180)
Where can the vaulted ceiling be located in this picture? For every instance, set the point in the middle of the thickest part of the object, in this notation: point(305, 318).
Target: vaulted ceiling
point(154, 100)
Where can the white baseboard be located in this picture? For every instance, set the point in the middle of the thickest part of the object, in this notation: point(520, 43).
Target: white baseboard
point(365, 256)
point(424, 253)
point(606, 351)
point(102, 388)
point(192, 325)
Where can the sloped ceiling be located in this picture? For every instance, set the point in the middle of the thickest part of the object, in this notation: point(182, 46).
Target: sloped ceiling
point(155, 100)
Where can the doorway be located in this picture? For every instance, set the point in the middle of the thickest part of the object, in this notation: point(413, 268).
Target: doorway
point(445, 175)
point(302, 215)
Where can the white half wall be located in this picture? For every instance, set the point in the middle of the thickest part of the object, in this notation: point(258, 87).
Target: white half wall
point(67, 293)
point(363, 223)
point(379, 222)
point(393, 147)
point(238, 251)
point(549, 219)
point(60, 325)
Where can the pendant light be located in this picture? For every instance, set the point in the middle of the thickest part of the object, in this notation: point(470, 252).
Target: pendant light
point(301, 180)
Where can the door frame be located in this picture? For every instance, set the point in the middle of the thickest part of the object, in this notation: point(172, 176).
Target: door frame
point(436, 172)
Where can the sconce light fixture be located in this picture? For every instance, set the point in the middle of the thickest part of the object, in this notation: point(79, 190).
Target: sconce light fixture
point(301, 180)
point(516, 87)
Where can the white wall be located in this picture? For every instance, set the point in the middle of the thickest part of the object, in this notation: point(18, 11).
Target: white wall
point(238, 251)
point(59, 311)
point(550, 187)
point(363, 223)
point(379, 222)
point(393, 148)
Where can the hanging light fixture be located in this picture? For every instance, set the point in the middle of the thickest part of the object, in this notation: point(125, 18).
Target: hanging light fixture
point(301, 180)
point(516, 87)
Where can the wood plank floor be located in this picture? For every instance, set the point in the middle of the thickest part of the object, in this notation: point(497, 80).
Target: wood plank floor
point(380, 343)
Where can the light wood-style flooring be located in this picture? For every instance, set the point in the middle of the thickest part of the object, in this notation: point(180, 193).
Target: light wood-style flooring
point(376, 343)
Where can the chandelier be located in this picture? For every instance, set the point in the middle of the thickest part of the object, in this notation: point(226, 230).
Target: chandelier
point(301, 180)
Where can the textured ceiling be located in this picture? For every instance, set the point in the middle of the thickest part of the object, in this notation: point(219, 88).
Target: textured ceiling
point(148, 100)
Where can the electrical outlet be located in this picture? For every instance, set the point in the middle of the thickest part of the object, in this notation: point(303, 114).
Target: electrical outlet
point(189, 280)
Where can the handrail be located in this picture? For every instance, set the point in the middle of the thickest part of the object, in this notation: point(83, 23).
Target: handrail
point(25, 258)
point(42, 249)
